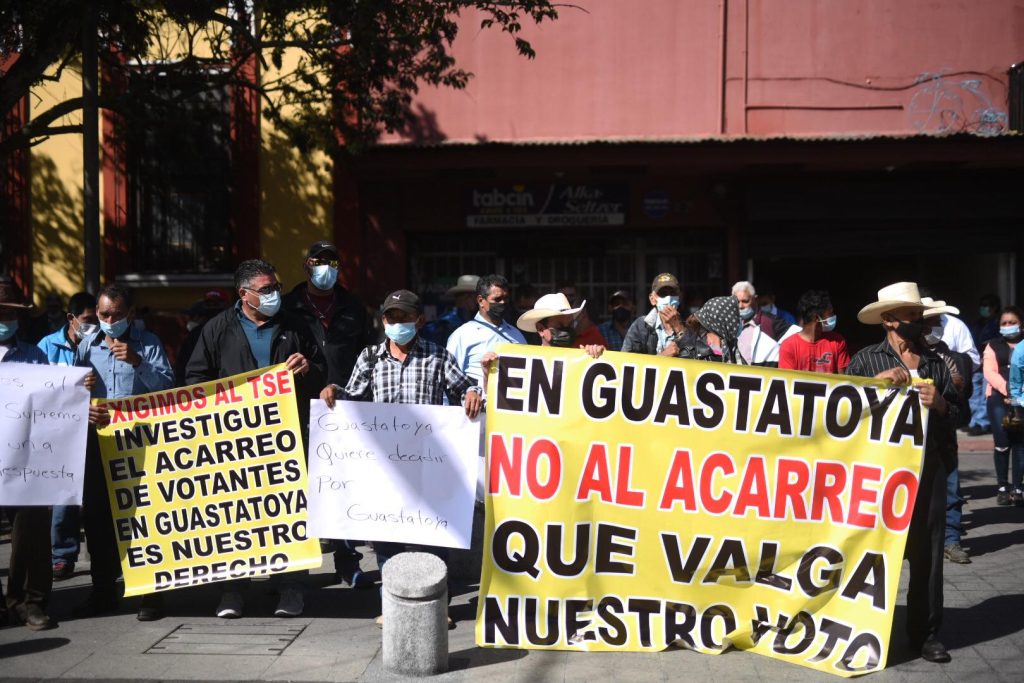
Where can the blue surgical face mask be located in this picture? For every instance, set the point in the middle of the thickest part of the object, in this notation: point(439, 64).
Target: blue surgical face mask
point(828, 324)
point(115, 329)
point(400, 333)
point(670, 300)
point(323, 277)
point(747, 313)
point(1010, 331)
point(984, 311)
point(270, 304)
point(8, 328)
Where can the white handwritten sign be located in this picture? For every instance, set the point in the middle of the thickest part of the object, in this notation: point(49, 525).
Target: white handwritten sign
point(392, 472)
point(44, 415)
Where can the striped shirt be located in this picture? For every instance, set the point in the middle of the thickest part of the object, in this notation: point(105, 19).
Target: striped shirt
point(428, 374)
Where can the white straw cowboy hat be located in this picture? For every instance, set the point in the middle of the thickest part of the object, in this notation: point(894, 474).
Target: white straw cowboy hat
point(466, 284)
point(899, 295)
point(547, 306)
point(935, 308)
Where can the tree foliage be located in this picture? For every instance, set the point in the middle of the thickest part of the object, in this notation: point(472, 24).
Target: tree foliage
point(331, 73)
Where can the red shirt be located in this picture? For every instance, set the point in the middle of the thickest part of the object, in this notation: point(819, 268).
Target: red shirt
point(591, 336)
point(828, 354)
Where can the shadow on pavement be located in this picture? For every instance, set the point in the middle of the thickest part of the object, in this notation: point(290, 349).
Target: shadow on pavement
point(474, 657)
point(31, 647)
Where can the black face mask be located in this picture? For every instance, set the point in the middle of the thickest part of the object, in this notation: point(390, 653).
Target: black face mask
point(620, 314)
point(496, 311)
point(912, 332)
point(562, 338)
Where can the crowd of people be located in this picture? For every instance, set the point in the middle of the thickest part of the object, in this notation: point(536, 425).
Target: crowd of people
point(340, 349)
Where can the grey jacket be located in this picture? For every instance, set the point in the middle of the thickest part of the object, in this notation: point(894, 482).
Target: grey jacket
point(642, 335)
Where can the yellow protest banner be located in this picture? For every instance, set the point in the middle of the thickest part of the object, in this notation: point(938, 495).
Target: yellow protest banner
point(208, 482)
point(638, 502)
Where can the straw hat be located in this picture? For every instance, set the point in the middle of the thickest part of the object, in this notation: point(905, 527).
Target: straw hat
point(935, 308)
point(466, 284)
point(547, 306)
point(899, 295)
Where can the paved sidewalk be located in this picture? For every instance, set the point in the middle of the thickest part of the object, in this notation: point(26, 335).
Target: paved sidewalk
point(336, 639)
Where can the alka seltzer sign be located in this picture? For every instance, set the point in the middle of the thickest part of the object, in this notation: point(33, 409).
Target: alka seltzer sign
point(510, 206)
point(208, 482)
point(636, 502)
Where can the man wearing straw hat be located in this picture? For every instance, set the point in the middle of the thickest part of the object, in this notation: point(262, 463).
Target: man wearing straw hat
point(900, 358)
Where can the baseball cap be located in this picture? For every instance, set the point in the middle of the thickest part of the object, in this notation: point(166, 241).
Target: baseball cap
point(403, 300)
point(665, 280)
point(620, 294)
point(321, 247)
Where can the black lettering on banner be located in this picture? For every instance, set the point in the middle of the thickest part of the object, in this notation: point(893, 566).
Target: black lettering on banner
point(606, 546)
point(516, 563)
point(743, 385)
point(834, 632)
point(131, 528)
point(801, 621)
point(711, 400)
point(673, 402)
point(874, 655)
point(680, 620)
point(503, 622)
point(809, 392)
point(843, 392)
point(614, 630)
point(627, 390)
point(878, 409)
point(576, 628)
point(707, 623)
point(775, 410)
point(132, 497)
point(508, 382)
point(868, 578)
point(533, 635)
point(644, 608)
point(760, 624)
point(683, 573)
point(908, 422)
point(606, 407)
point(543, 386)
point(581, 548)
point(827, 579)
point(766, 575)
point(731, 560)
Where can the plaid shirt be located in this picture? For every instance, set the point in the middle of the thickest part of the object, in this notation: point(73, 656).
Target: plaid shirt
point(611, 335)
point(427, 375)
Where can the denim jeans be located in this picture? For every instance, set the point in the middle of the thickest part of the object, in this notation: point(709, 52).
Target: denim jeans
point(954, 507)
point(64, 532)
point(1006, 444)
point(979, 412)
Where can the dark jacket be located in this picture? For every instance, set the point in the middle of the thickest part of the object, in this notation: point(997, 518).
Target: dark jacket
point(642, 336)
point(347, 333)
point(223, 350)
point(961, 369)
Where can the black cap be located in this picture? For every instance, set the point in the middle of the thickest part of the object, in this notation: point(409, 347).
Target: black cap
point(321, 247)
point(620, 294)
point(403, 300)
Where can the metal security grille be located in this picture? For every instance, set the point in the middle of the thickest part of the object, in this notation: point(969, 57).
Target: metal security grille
point(596, 264)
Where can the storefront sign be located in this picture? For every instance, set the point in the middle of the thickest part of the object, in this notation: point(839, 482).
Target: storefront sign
point(510, 206)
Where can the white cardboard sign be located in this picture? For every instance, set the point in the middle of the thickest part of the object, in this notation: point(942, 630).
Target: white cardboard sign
point(392, 472)
point(44, 416)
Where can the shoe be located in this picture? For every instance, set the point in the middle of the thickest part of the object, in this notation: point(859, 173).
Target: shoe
point(975, 430)
point(63, 570)
point(379, 621)
point(451, 624)
point(358, 579)
point(1017, 497)
point(231, 605)
point(151, 609)
point(97, 604)
point(955, 553)
point(32, 616)
point(290, 604)
point(1003, 496)
point(934, 651)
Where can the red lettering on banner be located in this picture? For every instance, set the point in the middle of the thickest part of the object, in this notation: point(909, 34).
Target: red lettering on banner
point(906, 479)
point(829, 482)
point(623, 494)
point(679, 484)
point(753, 491)
point(504, 466)
point(510, 467)
point(548, 449)
point(596, 478)
point(715, 461)
point(790, 491)
point(859, 495)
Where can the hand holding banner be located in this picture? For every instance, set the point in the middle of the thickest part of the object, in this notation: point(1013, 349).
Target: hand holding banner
point(43, 421)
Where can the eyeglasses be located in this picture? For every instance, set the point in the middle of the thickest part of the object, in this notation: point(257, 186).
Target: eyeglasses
point(333, 263)
point(269, 289)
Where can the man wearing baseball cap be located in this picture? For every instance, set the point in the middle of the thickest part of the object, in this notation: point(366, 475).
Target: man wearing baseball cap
point(383, 371)
point(622, 309)
point(29, 576)
point(656, 333)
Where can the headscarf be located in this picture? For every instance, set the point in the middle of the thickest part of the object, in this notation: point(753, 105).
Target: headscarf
point(721, 315)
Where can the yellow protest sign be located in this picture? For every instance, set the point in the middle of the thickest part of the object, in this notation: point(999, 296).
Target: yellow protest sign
point(638, 502)
point(208, 482)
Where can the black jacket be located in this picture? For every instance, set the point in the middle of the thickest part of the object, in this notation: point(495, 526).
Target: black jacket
point(223, 350)
point(347, 334)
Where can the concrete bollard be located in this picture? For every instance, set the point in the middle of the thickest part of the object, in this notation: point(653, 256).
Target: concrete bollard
point(415, 600)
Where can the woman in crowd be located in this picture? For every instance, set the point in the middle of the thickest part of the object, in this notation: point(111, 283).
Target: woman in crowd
point(1007, 443)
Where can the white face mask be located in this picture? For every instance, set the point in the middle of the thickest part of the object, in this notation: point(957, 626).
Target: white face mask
point(86, 330)
point(270, 304)
point(933, 336)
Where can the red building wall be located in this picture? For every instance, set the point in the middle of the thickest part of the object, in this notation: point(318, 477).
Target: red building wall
point(697, 68)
